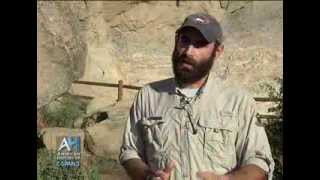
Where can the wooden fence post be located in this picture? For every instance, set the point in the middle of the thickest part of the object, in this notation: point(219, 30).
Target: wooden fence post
point(120, 90)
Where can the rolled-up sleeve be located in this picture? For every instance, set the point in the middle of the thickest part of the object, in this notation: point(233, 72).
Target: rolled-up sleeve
point(132, 144)
point(252, 142)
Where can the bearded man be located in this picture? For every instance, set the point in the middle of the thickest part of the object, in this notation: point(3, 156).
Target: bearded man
point(194, 126)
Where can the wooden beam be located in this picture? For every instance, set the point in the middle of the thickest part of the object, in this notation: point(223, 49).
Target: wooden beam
point(106, 84)
point(120, 90)
point(267, 99)
point(266, 116)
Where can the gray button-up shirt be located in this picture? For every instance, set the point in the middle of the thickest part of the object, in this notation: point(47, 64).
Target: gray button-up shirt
point(215, 131)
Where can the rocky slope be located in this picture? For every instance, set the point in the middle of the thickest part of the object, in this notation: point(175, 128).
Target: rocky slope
point(107, 41)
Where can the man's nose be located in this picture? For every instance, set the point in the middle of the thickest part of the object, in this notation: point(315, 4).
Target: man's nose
point(190, 50)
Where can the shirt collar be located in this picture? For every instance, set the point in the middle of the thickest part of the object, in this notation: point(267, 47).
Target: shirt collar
point(201, 90)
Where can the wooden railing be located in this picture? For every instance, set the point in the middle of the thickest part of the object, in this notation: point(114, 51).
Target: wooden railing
point(121, 86)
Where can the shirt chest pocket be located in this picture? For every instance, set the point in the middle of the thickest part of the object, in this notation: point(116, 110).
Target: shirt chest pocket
point(155, 136)
point(155, 131)
point(219, 133)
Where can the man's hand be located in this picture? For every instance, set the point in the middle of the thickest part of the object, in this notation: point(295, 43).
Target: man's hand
point(165, 174)
point(208, 175)
point(247, 172)
point(136, 169)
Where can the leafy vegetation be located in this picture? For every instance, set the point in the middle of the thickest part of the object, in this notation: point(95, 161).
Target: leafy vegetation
point(274, 128)
point(63, 111)
point(47, 169)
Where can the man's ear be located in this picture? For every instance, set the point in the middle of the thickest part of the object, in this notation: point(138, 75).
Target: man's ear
point(219, 50)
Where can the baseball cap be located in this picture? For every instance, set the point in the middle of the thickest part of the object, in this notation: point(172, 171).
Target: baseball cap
point(206, 24)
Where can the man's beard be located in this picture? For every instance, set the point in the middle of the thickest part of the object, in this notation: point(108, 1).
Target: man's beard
point(194, 70)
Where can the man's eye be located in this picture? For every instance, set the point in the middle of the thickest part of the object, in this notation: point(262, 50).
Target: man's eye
point(184, 40)
point(200, 43)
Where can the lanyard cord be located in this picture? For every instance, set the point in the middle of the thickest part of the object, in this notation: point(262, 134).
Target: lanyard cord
point(189, 101)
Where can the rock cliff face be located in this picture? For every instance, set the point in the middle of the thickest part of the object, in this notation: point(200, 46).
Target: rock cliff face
point(61, 50)
point(107, 41)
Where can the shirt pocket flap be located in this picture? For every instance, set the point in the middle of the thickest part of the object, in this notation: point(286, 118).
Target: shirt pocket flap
point(227, 121)
point(224, 121)
point(151, 121)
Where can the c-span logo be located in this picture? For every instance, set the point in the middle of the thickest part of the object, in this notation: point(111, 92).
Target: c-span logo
point(68, 154)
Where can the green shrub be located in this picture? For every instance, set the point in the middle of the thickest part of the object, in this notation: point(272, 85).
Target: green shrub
point(48, 170)
point(106, 164)
point(62, 113)
point(274, 128)
point(274, 132)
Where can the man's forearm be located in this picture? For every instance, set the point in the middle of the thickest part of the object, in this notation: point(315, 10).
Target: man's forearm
point(136, 169)
point(248, 172)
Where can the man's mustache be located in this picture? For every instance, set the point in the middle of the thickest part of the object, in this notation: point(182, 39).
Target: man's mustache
point(184, 59)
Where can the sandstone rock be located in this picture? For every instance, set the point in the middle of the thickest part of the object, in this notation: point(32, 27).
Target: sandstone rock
point(41, 122)
point(103, 139)
point(61, 49)
point(99, 105)
point(85, 121)
point(136, 44)
point(78, 122)
point(133, 41)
